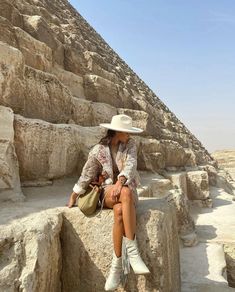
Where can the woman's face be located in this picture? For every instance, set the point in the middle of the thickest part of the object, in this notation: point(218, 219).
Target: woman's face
point(122, 136)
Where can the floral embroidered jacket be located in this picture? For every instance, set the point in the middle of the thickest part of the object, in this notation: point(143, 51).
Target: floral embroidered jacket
point(100, 162)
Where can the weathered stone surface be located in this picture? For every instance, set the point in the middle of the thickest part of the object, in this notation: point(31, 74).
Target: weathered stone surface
point(38, 157)
point(174, 153)
point(9, 169)
point(31, 254)
point(229, 250)
point(154, 185)
point(46, 97)
point(37, 54)
point(150, 154)
point(101, 90)
point(212, 173)
point(11, 77)
point(225, 181)
point(87, 248)
point(197, 185)
point(72, 81)
point(7, 32)
point(39, 29)
point(178, 180)
point(8, 11)
point(185, 221)
point(88, 113)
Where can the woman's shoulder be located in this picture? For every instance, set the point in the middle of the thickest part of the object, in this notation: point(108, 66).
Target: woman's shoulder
point(96, 149)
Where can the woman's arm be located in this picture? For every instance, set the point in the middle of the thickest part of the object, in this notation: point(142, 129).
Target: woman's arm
point(89, 173)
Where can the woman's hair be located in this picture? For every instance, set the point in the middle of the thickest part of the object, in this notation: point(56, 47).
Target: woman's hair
point(107, 139)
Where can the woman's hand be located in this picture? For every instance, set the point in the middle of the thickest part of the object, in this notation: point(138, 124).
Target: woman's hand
point(116, 191)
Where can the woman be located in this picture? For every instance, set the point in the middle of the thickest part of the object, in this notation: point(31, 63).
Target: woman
point(113, 161)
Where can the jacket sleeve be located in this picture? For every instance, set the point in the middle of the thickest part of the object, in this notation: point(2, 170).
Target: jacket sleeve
point(89, 173)
point(130, 164)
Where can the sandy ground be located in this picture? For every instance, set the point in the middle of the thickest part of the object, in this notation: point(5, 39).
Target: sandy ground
point(202, 266)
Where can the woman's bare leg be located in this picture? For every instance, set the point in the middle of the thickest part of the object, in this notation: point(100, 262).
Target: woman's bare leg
point(128, 212)
point(118, 229)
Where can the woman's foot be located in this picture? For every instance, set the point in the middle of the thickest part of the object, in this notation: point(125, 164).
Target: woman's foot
point(72, 200)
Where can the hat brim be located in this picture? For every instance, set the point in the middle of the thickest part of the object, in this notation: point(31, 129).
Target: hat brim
point(131, 130)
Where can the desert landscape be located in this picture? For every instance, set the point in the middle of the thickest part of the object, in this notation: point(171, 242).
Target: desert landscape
point(58, 80)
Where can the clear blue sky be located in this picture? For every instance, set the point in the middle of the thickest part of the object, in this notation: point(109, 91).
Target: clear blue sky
point(184, 50)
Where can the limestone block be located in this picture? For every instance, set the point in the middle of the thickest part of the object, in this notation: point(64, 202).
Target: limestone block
point(48, 151)
point(102, 113)
point(99, 66)
point(225, 181)
point(101, 90)
point(87, 249)
point(178, 180)
point(212, 173)
point(88, 113)
point(7, 32)
point(185, 221)
point(174, 153)
point(74, 61)
point(82, 111)
point(191, 157)
point(150, 155)
point(8, 11)
point(46, 97)
point(31, 254)
point(9, 169)
point(72, 81)
point(36, 26)
point(11, 77)
point(197, 185)
point(37, 54)
point(154, 185)
point(229, 250)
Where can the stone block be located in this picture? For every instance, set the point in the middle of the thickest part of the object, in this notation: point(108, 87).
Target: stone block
point(197, 185)
point(87, 248)
point(9, 169)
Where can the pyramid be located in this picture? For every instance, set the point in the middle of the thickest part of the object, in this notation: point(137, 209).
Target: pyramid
point(59, 80)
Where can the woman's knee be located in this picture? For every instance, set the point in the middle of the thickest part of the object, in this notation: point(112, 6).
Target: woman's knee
point(117, 209)
point(126, 195)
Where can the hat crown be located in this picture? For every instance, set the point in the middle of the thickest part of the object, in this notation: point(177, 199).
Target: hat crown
point(121, 121)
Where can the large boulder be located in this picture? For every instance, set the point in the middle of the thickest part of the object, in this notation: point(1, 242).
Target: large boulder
point(48, 151)
point(37, 54)
point(87, 249)
point(197, 185)
point(31, 253)
point(11, 77)
point(46, 97)
point(9, 168)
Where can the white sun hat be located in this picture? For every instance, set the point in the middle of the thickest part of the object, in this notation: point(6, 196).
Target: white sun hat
point(121, 123)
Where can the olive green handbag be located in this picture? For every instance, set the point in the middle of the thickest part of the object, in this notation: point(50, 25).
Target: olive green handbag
point(88, 201)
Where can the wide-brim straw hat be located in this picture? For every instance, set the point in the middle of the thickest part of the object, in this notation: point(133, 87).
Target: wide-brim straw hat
point(122, 123)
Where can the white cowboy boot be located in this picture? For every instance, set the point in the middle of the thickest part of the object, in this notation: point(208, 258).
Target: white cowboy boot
point(135, 260)
point(114, 277)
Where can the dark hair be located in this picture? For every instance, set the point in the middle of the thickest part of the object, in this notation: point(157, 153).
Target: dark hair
point(107, 139)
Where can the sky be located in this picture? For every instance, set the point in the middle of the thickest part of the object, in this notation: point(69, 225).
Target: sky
point(184, 50)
